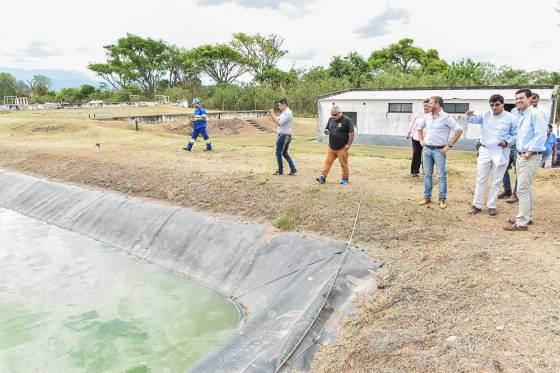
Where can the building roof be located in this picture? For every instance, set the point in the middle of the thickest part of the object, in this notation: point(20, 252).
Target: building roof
point(448, 93)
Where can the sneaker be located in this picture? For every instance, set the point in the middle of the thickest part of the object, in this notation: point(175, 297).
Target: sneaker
point(492, 212)
point(277, 173)
point(442, 204)
point(208, 149)
point(321, 179)
point(344, 181)
point(293, 173)
point(413, 175)
point(474, 210)
point(513, 199)
point(504, 194)
point(425, 201)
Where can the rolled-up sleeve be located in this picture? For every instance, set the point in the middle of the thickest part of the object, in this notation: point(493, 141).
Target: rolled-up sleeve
point(452, 124)
point(284, 119)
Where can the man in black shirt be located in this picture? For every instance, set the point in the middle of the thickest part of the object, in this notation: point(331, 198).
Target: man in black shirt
point(341, 135)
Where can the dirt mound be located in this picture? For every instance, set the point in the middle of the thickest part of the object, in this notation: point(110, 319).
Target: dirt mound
point(217, 127)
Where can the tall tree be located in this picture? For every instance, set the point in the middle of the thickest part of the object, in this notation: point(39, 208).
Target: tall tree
point(220, 62)
point(263, 50)
point(142, 61)
point(40, 84)
point(8, 85)
point(405, 57)
point(352, 66)
point(183, 69)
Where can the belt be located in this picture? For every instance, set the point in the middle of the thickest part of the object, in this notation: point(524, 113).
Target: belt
point(433, 147)
point(534, 153)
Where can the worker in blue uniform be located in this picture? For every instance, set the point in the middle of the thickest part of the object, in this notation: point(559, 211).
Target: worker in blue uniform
point(199, 128)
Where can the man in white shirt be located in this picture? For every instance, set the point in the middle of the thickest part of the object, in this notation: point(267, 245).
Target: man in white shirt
point(416, 146)
point(436, 144)
point(285, 123)
point(498, 132)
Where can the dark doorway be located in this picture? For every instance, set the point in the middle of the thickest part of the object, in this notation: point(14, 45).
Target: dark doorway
point(352, 115)
point(509, 107)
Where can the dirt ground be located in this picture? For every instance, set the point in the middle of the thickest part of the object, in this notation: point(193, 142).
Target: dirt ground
point(456, 293)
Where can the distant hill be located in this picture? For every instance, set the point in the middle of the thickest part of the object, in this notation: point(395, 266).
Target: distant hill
point(60, 78)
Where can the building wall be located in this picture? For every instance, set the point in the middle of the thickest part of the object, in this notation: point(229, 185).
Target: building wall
point(375, 125)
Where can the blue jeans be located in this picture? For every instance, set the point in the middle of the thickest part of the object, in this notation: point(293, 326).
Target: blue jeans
point(282, 146)
point(512, 161)
point(431, 156)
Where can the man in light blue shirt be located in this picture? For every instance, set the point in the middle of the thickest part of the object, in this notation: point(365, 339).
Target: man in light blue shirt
point(498, 132)
point(531, 137)
point(439, 126)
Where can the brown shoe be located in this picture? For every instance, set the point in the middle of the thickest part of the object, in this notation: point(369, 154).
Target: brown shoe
point(513, 199)
point(492, 212)
point(515, 228)
point(442, 204)
point(425, 201)
point(504, 194)
point(513, 221)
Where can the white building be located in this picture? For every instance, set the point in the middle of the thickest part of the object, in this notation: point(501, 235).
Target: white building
point(383, 116)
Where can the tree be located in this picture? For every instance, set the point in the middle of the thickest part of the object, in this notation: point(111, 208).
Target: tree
point(468, 72)
point(40, 85)
point(8, 85)
point(263, 50)
point(220, 62)
point(278, 79)
point(405, 57)
point(183, 69)
point(353, 67)
point(142, 61)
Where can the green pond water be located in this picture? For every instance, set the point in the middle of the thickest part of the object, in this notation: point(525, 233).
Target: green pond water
point(71, 304)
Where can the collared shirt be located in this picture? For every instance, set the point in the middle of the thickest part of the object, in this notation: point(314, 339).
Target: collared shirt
point(549, 144)
point(201, 123)
point(416, 120)
point(286, 122)
point(495, 128)
point(531, 130)
point(439, 128)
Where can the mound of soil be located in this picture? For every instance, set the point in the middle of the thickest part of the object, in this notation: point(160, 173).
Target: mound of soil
point(224, 126)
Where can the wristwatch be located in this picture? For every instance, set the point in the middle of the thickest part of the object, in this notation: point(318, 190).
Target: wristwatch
point(450, 145)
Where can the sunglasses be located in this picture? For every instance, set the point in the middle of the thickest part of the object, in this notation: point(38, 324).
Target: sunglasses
point(334, 115)
point(492, 104)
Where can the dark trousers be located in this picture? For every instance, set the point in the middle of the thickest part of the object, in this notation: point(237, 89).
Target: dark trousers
point(416, 157)
point(282, 146)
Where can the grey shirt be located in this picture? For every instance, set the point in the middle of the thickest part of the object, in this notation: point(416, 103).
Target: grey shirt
point(439, 128)
point(285, 122)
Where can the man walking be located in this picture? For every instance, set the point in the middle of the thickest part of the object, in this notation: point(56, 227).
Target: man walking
point(416, 147)
point(531, 138)
point(285, 122)
point(200, 119)
point(436, 145)
point(549, 156)
point(498, 131)
point(341, 135)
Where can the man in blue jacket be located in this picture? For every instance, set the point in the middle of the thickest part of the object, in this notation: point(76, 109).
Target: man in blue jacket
point(199, 128)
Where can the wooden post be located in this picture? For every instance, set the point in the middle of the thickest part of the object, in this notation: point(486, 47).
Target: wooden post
point(136, 122)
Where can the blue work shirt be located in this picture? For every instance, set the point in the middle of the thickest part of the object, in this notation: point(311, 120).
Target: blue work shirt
point(549, 144)
point(531, 130)
point(495, 128)
point(198, 124)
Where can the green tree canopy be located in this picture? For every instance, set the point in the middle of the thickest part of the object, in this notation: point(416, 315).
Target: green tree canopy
point(352, 66)
point(220, 62)
point(263, 50)
point(142, 61)
point(8, 85)
point(405, 57)
point(40, 84)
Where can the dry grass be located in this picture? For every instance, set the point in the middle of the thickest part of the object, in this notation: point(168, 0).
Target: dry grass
point(446, 273)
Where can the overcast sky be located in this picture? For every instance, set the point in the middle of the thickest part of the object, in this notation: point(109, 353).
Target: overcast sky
point(67, 34)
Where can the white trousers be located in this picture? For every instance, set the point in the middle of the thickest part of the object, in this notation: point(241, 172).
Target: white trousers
point(488, 168)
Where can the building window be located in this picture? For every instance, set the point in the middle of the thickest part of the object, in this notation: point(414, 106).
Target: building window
point(352, 115)
point(455, 108)
point(400, 107)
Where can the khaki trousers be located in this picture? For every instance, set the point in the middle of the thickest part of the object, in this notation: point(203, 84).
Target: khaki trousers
point(526, 170)
point(342, 156)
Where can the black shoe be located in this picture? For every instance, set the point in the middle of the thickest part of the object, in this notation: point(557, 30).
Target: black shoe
point(293, 173)
point(492, 212)
point(277, 173)
point(474, 210)
point(187, 149)
point(207, 150)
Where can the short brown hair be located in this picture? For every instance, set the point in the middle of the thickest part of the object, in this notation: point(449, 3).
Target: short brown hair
point(437, 99)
